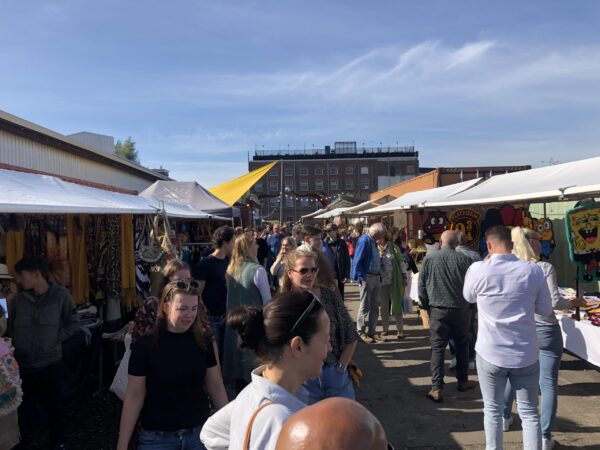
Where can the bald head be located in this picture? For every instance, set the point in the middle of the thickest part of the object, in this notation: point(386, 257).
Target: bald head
point(334, 423)
point(449, 238)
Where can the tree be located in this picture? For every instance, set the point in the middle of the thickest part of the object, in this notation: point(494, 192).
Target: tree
point(127, 150)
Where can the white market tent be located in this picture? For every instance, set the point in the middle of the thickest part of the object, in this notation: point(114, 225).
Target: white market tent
point(43, 194)
point(331, 213)
point(560, 181)
point(191, 194)
point(422, 198)
point(315, 213)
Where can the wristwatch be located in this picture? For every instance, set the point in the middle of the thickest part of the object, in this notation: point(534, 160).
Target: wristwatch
point(340, 367)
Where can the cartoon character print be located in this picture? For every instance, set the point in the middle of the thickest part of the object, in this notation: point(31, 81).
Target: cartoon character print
point(436, 223)
point(583, 224)
point(544, 228)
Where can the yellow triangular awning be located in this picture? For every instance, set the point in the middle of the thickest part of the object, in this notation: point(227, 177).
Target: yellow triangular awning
point(231, 191)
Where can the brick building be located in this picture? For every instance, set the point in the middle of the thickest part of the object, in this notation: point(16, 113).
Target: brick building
point(308, 179)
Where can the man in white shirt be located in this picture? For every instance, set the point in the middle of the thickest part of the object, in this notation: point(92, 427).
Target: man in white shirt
point(508, 292)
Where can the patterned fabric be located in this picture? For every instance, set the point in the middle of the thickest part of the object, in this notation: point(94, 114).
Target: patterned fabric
point(142, 269)
point(145, 318)
point(386, 264)
point(104, 256)
point(10, 382)
point(342, 329)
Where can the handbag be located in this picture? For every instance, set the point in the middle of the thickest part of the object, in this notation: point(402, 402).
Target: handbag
point(149, 251)
point(251, 423)
point(119, 384)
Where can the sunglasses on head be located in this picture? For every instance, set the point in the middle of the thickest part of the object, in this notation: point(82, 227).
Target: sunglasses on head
point(306, 270)
point(185, 284)
point(306, 312)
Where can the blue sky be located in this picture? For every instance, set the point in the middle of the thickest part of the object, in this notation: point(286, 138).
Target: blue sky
point(199, 84)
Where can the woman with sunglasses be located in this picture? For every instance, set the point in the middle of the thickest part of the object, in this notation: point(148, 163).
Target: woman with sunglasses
point(334, 380)
point(171, 371)
point(247, 284)
point(290, 336)
point(527, 246)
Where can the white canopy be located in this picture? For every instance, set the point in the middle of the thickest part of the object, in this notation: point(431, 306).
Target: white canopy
point(544, 183)
point(43, 194)
point(314, 213)
point(332, 213)
point(192, 194)
point(422, 198)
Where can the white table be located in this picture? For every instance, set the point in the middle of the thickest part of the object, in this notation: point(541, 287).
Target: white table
point(581, 338)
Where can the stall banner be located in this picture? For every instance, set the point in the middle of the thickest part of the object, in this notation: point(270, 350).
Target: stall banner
point(436, 223)
point(583, 225)
point(467, 221)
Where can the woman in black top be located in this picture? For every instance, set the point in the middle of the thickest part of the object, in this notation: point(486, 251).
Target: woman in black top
point(171, 371)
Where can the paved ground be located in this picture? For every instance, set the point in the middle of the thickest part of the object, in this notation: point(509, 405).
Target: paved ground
point(396, 379)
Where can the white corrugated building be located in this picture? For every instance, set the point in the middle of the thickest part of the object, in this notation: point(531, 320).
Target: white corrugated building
point(28, 147)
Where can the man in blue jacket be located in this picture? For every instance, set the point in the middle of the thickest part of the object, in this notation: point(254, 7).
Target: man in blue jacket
point(365, 270)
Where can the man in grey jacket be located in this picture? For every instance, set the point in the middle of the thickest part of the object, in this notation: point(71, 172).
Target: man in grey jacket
point(41, 320)
point(441, 281)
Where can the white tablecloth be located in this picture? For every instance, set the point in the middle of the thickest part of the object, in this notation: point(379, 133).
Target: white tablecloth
point(581, 338)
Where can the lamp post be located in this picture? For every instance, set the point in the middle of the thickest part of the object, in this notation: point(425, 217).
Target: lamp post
point(281, 194)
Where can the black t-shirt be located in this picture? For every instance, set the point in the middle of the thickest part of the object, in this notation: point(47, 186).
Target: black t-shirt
point(175, 368)
point(212, 271)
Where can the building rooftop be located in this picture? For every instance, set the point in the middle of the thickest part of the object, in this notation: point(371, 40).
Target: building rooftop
point(341, 150)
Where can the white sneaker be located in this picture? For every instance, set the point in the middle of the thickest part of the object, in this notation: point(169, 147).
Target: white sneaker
point(506, 423)
point(548, 444)
point(452, 364)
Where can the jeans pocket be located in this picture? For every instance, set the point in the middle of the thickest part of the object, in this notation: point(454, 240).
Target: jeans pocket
point(149, 437)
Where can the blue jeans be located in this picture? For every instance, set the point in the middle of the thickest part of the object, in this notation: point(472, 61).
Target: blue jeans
point(492, 381)
point(329, 384)
point(551, 349)
point(170, 440)
point(216, 324)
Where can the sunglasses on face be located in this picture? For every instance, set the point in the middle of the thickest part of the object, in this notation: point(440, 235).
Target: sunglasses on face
point(306, 270)
point(305, 314)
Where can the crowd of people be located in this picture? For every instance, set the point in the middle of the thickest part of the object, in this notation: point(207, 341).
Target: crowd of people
point(252, 347)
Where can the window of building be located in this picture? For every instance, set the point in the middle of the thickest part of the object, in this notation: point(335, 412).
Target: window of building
point(319, 171)
point(273, 172)
point(349, 185)
point(410, 169)
point(349, 170)
point(273, 201)
point(289, 219)
point(304, 202)
point(364, 170)
point(303, 171)
point(333, 185)
point(364, 184)
point(304, 186)
point(288, 172)
point(333, 171)
point(288, 184)
point(319, 185)
point(273, 186)
point(289, 201)
point(258, 187)
point(392, 171)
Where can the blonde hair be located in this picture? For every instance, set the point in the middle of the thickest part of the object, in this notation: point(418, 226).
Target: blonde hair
point(521, 246)
point(290, 264)
point(324, 277)
point(240, 254)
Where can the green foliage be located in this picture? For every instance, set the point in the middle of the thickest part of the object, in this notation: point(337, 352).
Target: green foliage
point(126, 149)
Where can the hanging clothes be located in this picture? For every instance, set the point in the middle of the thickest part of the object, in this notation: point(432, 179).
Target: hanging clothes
point(76, 243)
point(57, 252)
point(15, 248)
point(108, 257)
point(128, 267)
point(142, 268)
